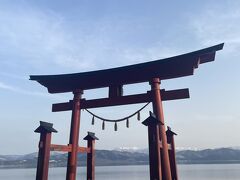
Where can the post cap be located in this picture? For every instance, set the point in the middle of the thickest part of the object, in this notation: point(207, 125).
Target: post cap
point(91, 136)
point(45, 127)
point(169, 132)
point(151, 120)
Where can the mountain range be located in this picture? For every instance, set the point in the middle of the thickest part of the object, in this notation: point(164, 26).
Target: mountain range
point(125, 157)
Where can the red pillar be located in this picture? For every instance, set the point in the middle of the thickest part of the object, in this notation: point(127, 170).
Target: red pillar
point(154, 147)
point(158, 110)
point(74, 137)
point(45, 129)
point(91, 155)
point(172, 153)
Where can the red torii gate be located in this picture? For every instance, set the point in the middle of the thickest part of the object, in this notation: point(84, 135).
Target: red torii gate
point(114, 79)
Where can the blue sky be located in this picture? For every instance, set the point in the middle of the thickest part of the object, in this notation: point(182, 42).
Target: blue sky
point(54, 37)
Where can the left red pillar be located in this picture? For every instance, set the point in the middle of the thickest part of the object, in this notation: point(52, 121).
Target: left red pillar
point(45, 129)
point(74, 136)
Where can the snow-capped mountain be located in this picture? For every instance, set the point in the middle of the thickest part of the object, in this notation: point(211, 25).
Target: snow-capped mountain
point(132, 149)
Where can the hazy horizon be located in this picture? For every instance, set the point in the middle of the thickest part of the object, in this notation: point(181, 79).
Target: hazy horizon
point(131, 149)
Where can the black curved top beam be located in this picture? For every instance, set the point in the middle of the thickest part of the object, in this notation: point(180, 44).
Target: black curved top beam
point(173, 67)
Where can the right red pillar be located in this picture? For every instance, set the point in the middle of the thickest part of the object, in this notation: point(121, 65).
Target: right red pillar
point(158, 111)
point(172, 157)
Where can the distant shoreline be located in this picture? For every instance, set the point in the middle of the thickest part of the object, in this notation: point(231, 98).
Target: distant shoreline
point(124, 158)
point(192, 163)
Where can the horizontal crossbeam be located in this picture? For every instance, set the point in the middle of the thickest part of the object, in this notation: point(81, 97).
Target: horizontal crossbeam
point(68, 148)
point(123, 100)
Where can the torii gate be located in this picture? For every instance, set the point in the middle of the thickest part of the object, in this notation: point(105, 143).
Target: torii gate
point(114, 79)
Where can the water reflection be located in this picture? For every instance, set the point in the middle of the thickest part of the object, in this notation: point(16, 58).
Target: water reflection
point(186, 172)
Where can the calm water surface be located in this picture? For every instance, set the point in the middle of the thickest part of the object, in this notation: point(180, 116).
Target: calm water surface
point(186, 172)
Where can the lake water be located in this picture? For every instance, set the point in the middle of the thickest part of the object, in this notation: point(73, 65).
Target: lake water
point(186, 172)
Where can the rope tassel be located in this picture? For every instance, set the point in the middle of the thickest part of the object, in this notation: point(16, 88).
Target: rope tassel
point(103, 125)
point(127, 123)
point(138, 116)
point(115, 126)
point(93, 120)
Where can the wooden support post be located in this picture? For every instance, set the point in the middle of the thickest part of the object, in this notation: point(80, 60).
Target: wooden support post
point(91, 155)
point(115, 91)
point(74, 137)
point(45, 129)
point(158, 110)
point(172, 153)
point(154, 147)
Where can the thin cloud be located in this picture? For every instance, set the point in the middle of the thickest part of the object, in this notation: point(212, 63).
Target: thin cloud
point(138, 55)
point(43, 40)
point(15, 89)
point(13, 76)
point(6, 87)
point(211, 117)
point(218, 23)
point(38, 38)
